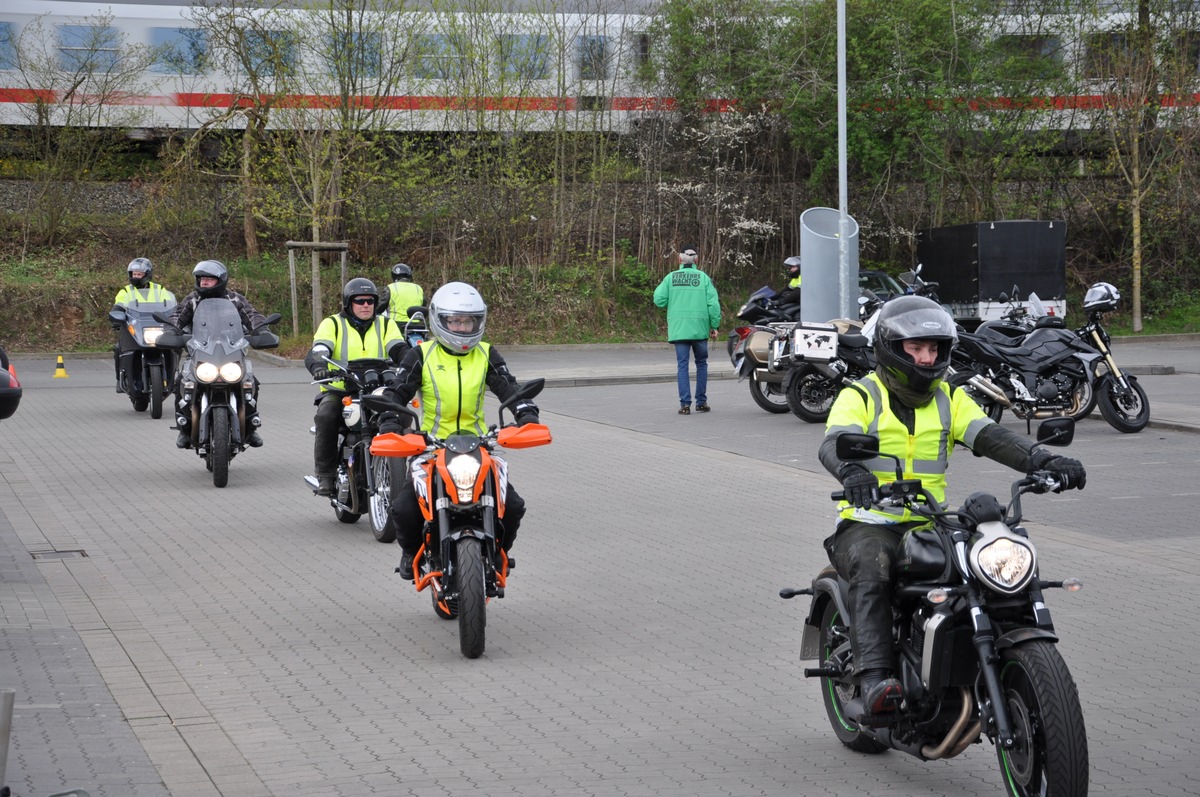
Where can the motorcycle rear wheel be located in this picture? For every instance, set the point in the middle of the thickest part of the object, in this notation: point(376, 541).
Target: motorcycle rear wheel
point(140, 402)
point(472, 598)
point(769, 396)
point(218, 450)
point(836, 694)
point(810, 395)
point(387, 475)
point(1051, 754)
point(1129, 413)
point(156, 391)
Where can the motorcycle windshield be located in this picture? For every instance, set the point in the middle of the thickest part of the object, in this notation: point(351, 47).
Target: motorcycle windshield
point(217, 328)
point(1036, 308)
point(144, 311)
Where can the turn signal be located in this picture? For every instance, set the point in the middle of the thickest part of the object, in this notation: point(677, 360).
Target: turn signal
point(1072, 584)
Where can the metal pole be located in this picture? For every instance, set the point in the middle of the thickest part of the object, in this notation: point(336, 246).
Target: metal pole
point(295, 297)
point(847, 301)
point(7, 696)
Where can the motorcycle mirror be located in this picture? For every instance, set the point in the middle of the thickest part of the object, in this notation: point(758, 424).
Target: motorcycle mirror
point(1003, 296)
point(852, 447)
point(1056, 431)
point(118, 316)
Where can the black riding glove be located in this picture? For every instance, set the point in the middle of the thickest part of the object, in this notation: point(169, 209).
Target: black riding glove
point(529, 417)
point(392, 422)
point(320, 373)
point(525, 412)
point(1070, 470)
point(859, 484)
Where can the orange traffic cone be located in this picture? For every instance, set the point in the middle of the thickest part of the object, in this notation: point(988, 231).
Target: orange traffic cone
point(60, 370)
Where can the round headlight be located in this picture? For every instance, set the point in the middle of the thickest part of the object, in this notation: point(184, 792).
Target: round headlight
point(231, 372)
point(206, 372)
point(1003, 561)
point(464, 469)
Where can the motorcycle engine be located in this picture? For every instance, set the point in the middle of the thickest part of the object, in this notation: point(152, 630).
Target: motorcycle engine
point(1055, 389)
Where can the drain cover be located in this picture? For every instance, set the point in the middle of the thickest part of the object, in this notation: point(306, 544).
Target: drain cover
point(59, 554)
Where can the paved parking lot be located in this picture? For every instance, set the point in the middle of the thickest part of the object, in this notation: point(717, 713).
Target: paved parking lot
point(165, 637)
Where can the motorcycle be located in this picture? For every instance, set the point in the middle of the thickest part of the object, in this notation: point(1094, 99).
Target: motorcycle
point(975, 642)
point(10, 387)
point(460, 483)
point(757, 348)
point(146, 370)
point(364, 482)
point(1123, 402)
point(1048, 372)
point(217, 379)
point(416, 329)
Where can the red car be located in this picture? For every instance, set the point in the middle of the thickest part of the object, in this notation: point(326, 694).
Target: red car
point(10, 388)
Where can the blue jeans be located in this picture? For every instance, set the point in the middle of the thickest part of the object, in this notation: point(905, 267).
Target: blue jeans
point(698, 348)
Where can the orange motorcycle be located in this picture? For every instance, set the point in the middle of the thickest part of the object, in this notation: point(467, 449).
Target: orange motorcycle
point(460, 483)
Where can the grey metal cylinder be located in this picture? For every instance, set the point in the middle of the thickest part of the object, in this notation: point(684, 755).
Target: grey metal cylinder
point(821, 294)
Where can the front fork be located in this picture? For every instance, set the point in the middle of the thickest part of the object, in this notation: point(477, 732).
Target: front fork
point(989, 661)
point(1102, 347)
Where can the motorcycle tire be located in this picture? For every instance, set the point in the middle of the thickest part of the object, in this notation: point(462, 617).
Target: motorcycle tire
point(1051, 752)
point(1129, 413)
point(387, 474)
point(472, 596)
point(810, 395)
point(835, 694)
point(219, 447)
point(140, 402)
point(157, 385)
point(769, 396)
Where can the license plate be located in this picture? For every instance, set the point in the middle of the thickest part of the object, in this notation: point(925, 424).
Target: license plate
point(816, 343)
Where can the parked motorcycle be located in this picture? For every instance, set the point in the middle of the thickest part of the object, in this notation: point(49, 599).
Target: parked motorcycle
point(460, 484)
point(757, 348)
point(974, 640)
point(10, 387)
point(364, 482)
point(1122, 401)
point(217, 379)
point(146, 370)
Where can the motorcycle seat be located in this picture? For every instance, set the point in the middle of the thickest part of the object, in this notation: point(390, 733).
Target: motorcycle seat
point(854, 341)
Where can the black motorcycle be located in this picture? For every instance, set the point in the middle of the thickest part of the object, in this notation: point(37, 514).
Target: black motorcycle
point(974, 641)
point(146, 371)
point(364, 482)
point(758, 348)
point(217, 380)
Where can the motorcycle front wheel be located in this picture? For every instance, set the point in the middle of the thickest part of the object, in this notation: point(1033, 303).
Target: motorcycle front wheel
point(1051, 754)
point(1125, 411)
point(769, 396)
point(472, 597)
point(836, 694)
point(157, 385)
point(218, 449)
point(810, 395)
point(387, 474)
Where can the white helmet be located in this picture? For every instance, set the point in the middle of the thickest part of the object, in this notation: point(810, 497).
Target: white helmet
point(457, 299)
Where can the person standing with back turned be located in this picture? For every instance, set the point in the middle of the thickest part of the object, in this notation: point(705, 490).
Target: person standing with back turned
point(693, 315)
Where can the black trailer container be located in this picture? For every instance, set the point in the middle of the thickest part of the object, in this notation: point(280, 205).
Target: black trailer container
point(974, 263)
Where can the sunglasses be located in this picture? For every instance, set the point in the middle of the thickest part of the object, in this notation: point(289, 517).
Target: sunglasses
point(363, 300)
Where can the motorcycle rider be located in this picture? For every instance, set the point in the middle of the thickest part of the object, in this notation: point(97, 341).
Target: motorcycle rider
point(915, 413)
point(212, 281)
point(791, 294)
point(451, 372)
point(401, 294)
point(140, 289)
point(358, 332)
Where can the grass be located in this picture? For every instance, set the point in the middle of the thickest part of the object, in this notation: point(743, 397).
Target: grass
point(1181, 317)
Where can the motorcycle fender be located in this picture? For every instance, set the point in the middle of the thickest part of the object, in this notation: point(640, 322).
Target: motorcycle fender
point(825, 589)
point(1019, 636)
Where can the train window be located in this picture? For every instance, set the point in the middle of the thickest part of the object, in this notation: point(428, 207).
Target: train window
point(594, 58)
point(1030, 56)
point(355, 54)
point(179, 51)
point(270, 51)
point(1187, 53)
point(88, 48)
point(641, 50)
point(437, 58)
point(1104, 54)
point(8, 48)
point(525, 56)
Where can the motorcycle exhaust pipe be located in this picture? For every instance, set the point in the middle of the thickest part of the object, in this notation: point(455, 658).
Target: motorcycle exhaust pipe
point(954, 735)
point(988, 388)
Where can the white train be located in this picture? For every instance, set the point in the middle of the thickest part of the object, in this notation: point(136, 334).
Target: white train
point(159, 66)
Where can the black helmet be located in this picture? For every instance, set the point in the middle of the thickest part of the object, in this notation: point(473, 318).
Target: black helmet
point(359, 286)
point(402, 272)
point(792, 264)
point(211, 268)
point(912, 318)
point(140, 264)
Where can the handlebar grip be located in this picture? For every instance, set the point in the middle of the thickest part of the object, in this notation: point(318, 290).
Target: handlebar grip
point(838, 495)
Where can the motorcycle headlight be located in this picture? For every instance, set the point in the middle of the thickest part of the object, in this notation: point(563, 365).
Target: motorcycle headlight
point(152, 334)
point(464, 470)
point(1003, 561)
point(231, 372)
point(207, 372)
point(351, 415)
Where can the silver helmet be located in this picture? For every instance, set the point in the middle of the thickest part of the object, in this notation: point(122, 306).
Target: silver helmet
point(455, 300)
point(912, 318)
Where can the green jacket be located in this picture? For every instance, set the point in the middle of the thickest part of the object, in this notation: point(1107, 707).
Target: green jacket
point(692, 305)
